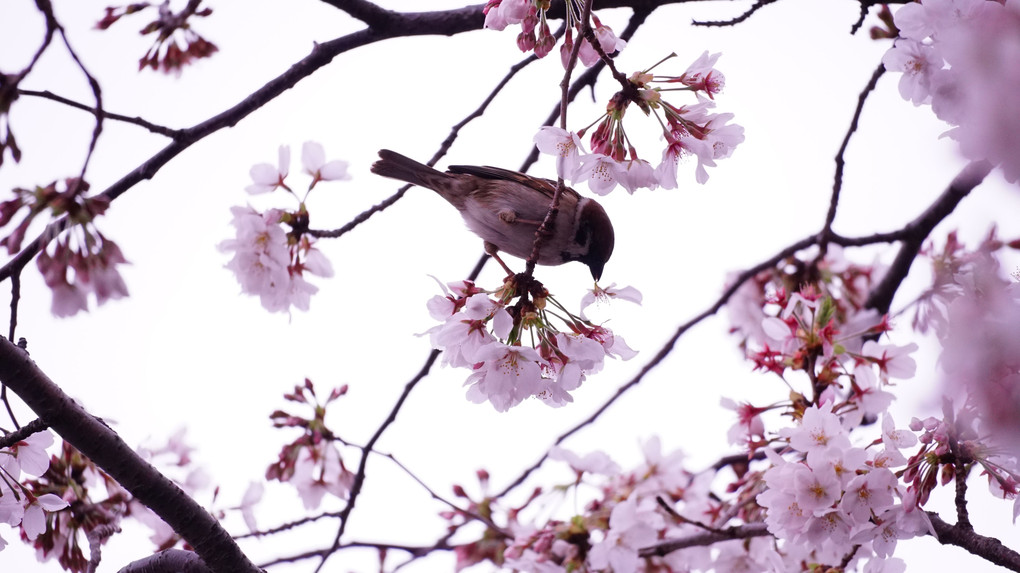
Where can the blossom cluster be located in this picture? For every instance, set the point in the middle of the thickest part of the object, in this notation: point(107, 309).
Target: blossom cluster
point(820, 482)
point(535, 35)
point(270, 261)
point(653, 516)
point(959, 56)
point(82, 261)
point(176, 44)
point(974, 311)
point(630, 510)
point(836, 498)
point(688, 131)
point(515, 350)
point(312, 462)
point(21, 505)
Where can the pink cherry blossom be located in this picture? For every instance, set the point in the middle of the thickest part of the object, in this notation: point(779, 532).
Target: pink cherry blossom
point(869, 493)
point(564, 145)
point(252, 496)
point(265, 177)
point(607, 40)
point(918, 62)
point(893, 361)
point(819, 428)
point(34, 521)
point(702, 76)
point(634, 174)
point(313, 158)
point(30, 454)
point(600, 171)
point(319, 472)
point(631, 527)
point(605, 295)
point(508, 375)
point(596, 462)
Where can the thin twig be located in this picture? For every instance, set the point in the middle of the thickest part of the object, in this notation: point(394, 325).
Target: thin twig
point(759, 4)
point(148, 125)
point(33, 427)
point(837, 185)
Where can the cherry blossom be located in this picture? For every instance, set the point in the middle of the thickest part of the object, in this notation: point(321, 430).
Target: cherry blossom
point(596, 462)
point(565, 145)
point(608, 42)
point(313, 158)
point(975, 94)
point(631, 527)
point(34, 521)
point(918, 62)
point(599, 295)
point(600, 171)
point(266, 178)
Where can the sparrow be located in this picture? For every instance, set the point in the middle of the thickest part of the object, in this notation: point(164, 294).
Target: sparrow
point(505, 209)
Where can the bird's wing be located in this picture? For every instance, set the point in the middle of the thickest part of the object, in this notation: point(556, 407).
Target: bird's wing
point(544, 186)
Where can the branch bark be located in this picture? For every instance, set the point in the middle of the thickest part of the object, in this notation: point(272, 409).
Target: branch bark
point(104, 447)
point(168, 561)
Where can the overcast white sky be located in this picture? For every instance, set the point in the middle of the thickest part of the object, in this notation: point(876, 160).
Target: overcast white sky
point(187, 349)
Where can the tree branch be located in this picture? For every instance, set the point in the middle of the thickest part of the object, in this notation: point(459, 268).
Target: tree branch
point(104, 447)
point(704, 539)
point(33, 427)
point(837, 185)
point(168, 561)
point(917, 231)
point(154, 128)
point(988, 548)
point(759, 4)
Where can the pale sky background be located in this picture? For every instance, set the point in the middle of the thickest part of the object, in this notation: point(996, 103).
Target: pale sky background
point(187, 349)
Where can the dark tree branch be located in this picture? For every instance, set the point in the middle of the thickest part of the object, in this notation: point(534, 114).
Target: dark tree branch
point(154, 128)
point(837, 185)
point(368, 12)
point(168, 561)
point(104, 447)
point(914, 234)
point(33, 427)
point(988, 548)
point(759, 4)
point(359, 476)
point(704, 539)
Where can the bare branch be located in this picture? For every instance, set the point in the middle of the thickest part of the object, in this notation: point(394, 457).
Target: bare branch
point(837, 184)
point(154, 128)
point(759, 4)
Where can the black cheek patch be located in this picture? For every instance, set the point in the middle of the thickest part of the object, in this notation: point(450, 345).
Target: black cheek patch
point(583, 234)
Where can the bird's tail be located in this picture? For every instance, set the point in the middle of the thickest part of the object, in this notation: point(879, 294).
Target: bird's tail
point(395, 166)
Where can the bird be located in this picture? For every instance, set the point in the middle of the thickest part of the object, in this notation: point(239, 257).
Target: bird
point(505, 208)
